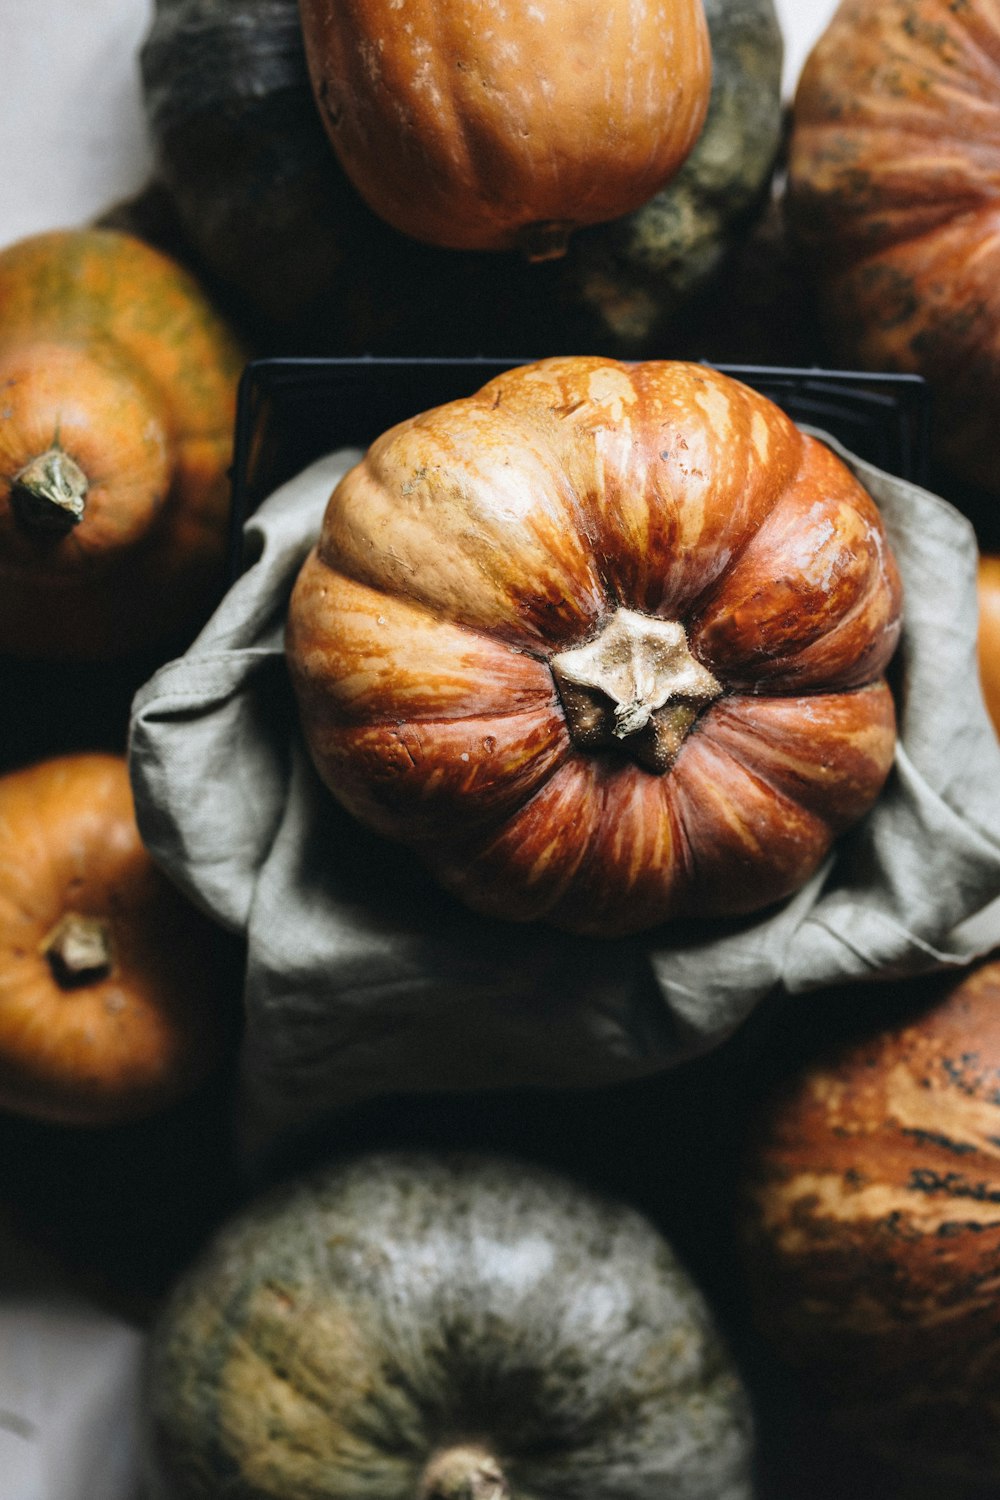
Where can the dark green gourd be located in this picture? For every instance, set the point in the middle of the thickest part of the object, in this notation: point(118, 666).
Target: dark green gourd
point(417, 1327)
point(269, 212)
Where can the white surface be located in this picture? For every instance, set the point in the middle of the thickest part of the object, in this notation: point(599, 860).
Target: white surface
point(74, 140)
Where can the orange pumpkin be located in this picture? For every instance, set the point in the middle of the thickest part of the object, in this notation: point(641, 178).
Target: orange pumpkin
point(894, 191)
point(490, 127)
point(988, 589)
point(871, 1235)
point(603, 643)
point(119, 387)
point(112, 1000)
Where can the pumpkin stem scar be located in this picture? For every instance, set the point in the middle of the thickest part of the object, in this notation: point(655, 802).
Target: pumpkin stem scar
point(50, 492)
point(464, 1472)
point(635, 685)
point(78, 949)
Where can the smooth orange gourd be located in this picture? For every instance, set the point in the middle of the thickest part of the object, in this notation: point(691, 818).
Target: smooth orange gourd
point(483, 126)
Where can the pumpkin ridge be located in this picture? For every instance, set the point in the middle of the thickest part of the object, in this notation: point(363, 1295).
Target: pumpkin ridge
point(703, 600)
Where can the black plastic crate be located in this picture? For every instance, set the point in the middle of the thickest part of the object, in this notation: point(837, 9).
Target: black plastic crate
point(291, 411)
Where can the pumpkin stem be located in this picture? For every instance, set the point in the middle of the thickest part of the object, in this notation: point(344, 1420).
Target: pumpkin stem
point(50, 492)
point(78, 949)
point(467, 1471)
point(546, 239)
point(637, 685)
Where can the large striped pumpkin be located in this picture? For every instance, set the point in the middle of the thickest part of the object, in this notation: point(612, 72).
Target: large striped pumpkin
point(604, 643)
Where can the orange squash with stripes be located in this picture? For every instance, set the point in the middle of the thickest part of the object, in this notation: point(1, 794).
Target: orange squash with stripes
point(603, 643)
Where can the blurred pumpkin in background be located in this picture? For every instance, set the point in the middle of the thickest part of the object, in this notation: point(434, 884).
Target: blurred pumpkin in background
point(417, 1326)
point(119, 394)
point(113, 998)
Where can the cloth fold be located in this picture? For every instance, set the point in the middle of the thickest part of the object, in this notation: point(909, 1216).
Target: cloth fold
point(364, 978)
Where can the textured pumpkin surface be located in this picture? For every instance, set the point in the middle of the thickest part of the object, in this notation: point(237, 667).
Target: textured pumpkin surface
point(112, 360)
point(872, 1234)
point(894, 191)
point(483, 126)
point(988, 590)
point(109, 993)
point(728, 575)
point(411, 1327)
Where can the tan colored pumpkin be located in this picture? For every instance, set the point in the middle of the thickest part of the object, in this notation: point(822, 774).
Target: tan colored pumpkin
point(871, 1231)
point(482, 126)
point(119, 389)
point(112, 1001)
point(894, 195)
point(604, 644)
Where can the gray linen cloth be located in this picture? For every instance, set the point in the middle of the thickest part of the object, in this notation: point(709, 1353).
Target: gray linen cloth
point(364, 978)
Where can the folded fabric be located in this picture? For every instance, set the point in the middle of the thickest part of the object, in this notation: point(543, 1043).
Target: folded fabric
point(364, 978)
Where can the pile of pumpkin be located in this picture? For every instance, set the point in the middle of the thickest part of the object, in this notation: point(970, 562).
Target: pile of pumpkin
point(434, 1323)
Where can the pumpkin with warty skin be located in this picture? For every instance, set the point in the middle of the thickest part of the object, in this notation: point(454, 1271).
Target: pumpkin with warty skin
point(269, 214)
point(112, 1003)
point(603, 644)
point(482, 127)
point(893, 192)
point(119, 385)
point(870, 1233)
point(455, 1327)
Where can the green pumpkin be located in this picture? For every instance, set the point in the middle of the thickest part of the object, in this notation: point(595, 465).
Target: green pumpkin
point(456, 1327)
point(273, 220)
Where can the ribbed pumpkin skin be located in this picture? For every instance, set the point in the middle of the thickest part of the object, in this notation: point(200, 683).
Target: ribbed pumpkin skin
point(872, 1235)
point(478, 125)
point(110, 1046)
point(339, 1334)
point(110, 350)
point(894, 192)
point(478, 543)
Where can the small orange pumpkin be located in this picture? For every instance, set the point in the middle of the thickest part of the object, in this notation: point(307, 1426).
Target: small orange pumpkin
point(119, 386)
point(603, 643)
point(112, 997)
point(480, 126)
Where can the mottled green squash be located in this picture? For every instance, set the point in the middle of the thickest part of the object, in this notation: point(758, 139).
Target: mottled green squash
point(410, 1327)
point(269, 212)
